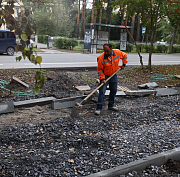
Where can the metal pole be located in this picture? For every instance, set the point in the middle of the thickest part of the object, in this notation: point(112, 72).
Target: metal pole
point(142, 43)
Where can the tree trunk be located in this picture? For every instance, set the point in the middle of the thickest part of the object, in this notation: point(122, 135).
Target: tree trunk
point(153, 25)
point(82, 21)
point(84, 15)
point(100, 19)
point(95, 15)
point(78, 20)
point(109, 30)
point(122, 18)
point(132, 29)
point(106, 22)
point(172, 41)
point(151, 51)
point(92, 15)
point(141, 61)
point(110, 17)
point(138, 29)
point(147, 37)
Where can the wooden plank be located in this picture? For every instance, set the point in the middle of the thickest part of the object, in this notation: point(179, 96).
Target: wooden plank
point(178, 76)
point(19, 81)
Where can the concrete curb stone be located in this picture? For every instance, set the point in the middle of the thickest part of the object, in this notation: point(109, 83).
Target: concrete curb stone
point(6, 107)
point(141, 164)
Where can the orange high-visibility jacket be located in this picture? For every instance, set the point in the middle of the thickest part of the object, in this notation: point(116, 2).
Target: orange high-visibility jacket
point(107, 66)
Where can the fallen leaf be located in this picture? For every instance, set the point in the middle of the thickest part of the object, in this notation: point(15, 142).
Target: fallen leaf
point(71, 160)
point(71, 149)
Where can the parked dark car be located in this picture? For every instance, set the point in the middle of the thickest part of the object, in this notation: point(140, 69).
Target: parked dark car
point(7, 42)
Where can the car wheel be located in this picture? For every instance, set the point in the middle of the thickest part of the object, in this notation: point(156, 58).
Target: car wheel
point(10, 51)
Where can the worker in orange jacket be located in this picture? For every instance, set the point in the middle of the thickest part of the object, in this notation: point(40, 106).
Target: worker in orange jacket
point(108, 63)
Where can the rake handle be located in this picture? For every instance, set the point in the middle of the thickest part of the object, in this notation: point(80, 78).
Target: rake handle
point(99, 87)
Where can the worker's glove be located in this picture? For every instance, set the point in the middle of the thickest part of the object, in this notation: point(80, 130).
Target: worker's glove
point(122, 67)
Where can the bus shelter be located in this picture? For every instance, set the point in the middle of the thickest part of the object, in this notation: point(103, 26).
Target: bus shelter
point(94, 39)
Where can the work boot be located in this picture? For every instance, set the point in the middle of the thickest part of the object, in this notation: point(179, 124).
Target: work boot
point(113, 108)
point(97, 112)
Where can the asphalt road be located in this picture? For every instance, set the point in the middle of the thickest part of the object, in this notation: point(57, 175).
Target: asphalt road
point(57, 59)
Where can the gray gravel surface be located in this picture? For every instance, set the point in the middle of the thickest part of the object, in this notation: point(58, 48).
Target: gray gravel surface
point(62, 146)
point(143, 126)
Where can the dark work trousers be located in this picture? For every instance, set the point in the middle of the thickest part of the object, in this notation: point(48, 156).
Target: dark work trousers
point(113, 90)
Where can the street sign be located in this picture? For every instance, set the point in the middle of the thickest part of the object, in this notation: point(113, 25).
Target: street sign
point(123, 40)
point(143, 30)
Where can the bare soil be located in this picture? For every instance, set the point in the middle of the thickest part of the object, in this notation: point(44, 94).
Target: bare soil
point(62, 83)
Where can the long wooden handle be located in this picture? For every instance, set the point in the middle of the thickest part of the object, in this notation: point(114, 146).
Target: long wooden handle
point(99, 86)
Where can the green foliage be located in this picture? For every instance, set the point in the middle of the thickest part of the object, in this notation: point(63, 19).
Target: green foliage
point(74, 43)
point(129, 47)
point(115, 45)
point(66, 43)
point(176, 49)
point(45, 23)
point(172, 11)
point(42, 39)
point(161, 49)
point(40, 80)
point(147, 48)
point(24, 28)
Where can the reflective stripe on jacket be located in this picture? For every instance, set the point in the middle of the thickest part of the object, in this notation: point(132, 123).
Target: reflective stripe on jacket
point(107, 66)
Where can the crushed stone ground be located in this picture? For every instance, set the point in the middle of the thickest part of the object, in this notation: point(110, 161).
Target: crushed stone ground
point(39, 141)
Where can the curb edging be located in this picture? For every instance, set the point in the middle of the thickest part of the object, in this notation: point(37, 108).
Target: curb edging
point(141, 164)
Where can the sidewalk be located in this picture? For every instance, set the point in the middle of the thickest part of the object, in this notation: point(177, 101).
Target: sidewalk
point(44, 48)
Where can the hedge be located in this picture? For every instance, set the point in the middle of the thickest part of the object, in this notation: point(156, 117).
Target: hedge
point(61, 43)
point(176, 49)
point(66, 43)
point(129, 47)
point(42, 39)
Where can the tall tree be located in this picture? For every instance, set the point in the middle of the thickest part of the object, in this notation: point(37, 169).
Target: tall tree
point(79, 5)
point(82, 19)
point(92, 15)
point(132, 29)
point(172, 9)
point(138, 28)
point(100, 13)
point(146, 9)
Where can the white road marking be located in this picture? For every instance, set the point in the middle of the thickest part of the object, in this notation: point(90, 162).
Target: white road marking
point(64, 63)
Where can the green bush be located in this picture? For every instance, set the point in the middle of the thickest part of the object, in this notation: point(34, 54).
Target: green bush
point(147, 48)
point(159, 49)
point(45, 38)
point(40, 38)
point(74, 43)
point(114, 45)
point(66, 43)
point(129, 47)
point(60, 43)
point(176, 49)
point(165, 48)
point(139, 47)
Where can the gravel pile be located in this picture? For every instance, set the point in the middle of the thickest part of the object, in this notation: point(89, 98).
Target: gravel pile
point(143, 126)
